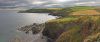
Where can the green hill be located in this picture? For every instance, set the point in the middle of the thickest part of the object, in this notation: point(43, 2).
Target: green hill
point(74, 29)
point(48, 10)
point(67, 11)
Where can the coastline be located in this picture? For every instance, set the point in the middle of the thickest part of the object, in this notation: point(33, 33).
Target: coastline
point(69, 26)
point(39, 36)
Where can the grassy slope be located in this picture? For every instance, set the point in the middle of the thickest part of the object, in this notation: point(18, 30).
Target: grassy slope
point(80, 8)
point(49, 10)
point(73, 28)
point(76, 37)
point(69, 10)
point(72, 35)
point(54, 26)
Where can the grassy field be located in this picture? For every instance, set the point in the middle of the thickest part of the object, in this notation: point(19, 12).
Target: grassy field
point(77, 24)
point(73, 29)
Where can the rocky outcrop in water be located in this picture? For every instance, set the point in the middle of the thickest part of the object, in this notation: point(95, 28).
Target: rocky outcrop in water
point(33, 33)
point(35, 28)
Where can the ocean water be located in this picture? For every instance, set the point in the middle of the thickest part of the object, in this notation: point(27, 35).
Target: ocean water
point(10, 21)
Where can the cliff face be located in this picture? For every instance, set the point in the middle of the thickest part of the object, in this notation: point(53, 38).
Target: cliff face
point(77, 29)
point(35, 28)
point(89, 31)
point(53, 29)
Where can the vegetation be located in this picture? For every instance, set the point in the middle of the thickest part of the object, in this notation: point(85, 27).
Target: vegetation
point(77, 29)
point(54, 28)
point(69, 10)
point(72, 35)
point(72, 26)
point(40, 10)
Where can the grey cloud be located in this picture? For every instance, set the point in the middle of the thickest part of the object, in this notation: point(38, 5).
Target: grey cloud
point(48, 3)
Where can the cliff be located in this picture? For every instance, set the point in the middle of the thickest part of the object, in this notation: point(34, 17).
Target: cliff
point(73, 29)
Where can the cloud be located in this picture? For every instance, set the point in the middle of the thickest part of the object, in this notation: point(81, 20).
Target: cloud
point(53, 5)
point(85, 3)
point(60, 1)
point(90, 3)
point(39, 2)
point(47, 3)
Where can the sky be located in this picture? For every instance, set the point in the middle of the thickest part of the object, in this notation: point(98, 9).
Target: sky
point(48, 3)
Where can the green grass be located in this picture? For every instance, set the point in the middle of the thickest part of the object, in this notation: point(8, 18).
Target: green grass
point(68, 10)
point(80, 8)
point(71, 35)
point(57, 25)
point(41, 10)
point(64, 20)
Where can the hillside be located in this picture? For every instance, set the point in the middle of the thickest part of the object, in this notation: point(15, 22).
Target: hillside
point(78, 10)
point(86, 12)
point(74, 29)
point(77, 24)
point(48, 10)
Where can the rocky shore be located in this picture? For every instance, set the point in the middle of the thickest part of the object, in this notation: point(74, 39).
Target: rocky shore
point(32, 33)
point(35, 28)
